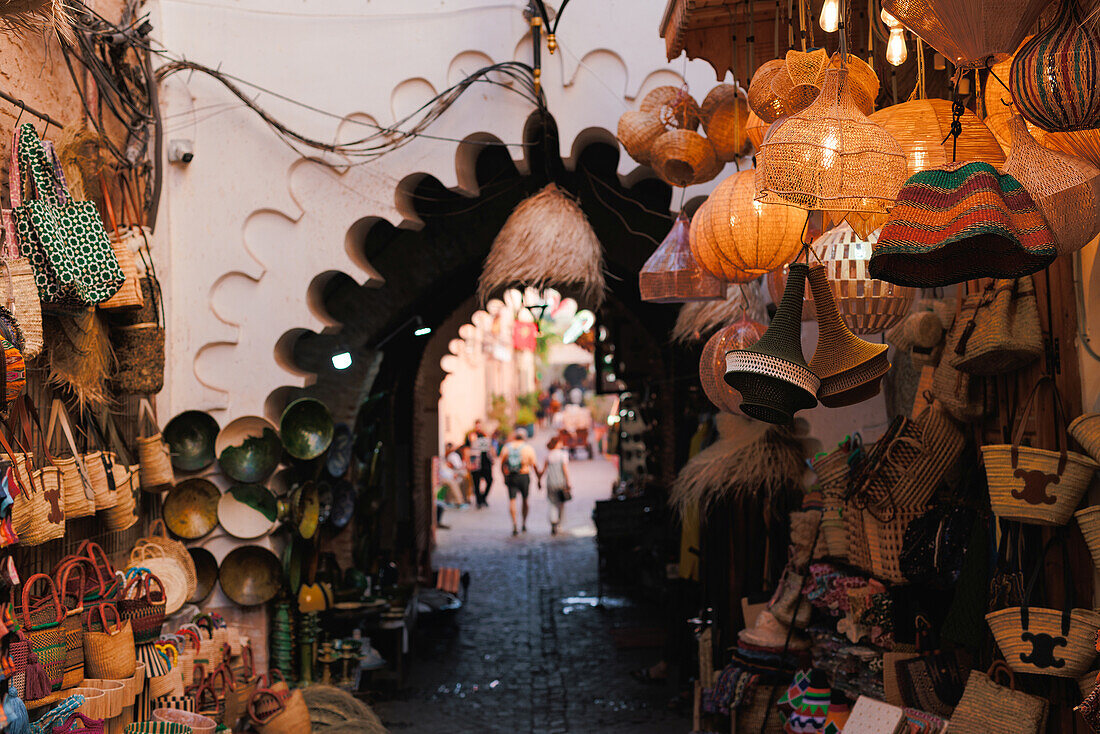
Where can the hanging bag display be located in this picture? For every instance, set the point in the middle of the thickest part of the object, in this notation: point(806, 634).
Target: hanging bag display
point(154, 458)
point(930, 681)
point(21, 291)
point(122, 514)
point(142, 602)
point(125, 240)
point(46, 475)
point(65, 241)
point(1000, 329)
point(1033, 485)
point(108, 644)
point(71, 583)
point(1043, 641)
point(41, 618)
point(988, 706)
point(75, 484)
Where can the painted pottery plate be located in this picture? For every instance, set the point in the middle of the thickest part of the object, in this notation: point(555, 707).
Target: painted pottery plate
point(248, 511)
point(250, 575)
point(248, 449)
point(343, 504)
point(306, 428)
point(305, 509)
point(191, 508)
point(190, 437)
point(339, 453)
point(206, 571)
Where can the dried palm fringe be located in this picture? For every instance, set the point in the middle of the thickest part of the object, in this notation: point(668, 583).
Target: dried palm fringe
point(697, 321)
point(26, 17)
point(546, 242)
point(80, 356)
point(84, 159)
point(748, 457)
point(334, 711)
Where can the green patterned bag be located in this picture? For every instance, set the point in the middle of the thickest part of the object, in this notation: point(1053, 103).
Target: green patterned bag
point(74, 264)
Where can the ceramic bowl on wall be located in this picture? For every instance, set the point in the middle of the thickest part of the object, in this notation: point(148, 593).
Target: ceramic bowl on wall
point(305, 509)
point(343, 504)
point(339, 453)
point(248, 511)
point(206, 571)
point(306, 428)
point(191, 508)
point(248, 449)
point(190, 437)
point(250, 575)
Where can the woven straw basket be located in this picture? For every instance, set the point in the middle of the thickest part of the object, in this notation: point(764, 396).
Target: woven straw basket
point(681, 157)
point(292, 718)
point(1088, 520)
point(124, 514)
point(95, 701)
point(97, 476)
point(1078, 653)
point(987, 706)
point(129, 295)
point(109, 651)
point(35, 519)
point(158, 536)
point(1032, 485)
point(169, 684)
point(198, 723)
point(637, 132)
point(75, 484)
point(1085, 430)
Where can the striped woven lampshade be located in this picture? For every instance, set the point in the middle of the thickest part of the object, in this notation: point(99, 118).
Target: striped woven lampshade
point(1055, 77)
point(850, 368)
point(959, 222)
point(830, 156)
point(755, 237)
point(1066, 189)
point(705, 250)
point(968, 32)
point(671, 274)
point(712, 364)
point(725, 114)
point(772, 375)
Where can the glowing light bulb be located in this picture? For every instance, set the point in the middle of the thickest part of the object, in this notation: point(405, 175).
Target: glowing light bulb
point(830, 16)
point(890, 21)
point(896, 49)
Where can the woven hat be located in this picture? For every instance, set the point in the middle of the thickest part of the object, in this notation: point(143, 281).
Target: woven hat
point(849, 367)
point(960, 222)
point(671, 274)
point(772, 375)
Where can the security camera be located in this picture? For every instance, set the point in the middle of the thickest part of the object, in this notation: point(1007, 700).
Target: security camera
point(181, 151)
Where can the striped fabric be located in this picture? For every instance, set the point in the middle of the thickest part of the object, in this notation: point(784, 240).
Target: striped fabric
point(1055, 78)
point(448, 579)
point(960, 222)
point(14, 374)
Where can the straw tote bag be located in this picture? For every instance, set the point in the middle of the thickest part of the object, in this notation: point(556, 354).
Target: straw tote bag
point(1000, 329)
point(1059, 643)
point(75, 484)
point(108, 651)
point(142, 602)
point(156, 472)
point(20, 289)
point(988, 706)
point(124, 241)
point(71, 591)
point(286, 715)
point(41, 618)
point(1033, 485)
point(38, 515)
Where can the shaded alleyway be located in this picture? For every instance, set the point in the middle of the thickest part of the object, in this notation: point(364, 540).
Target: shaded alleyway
point(532, 651)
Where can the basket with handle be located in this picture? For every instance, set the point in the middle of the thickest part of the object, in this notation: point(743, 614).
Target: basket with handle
point(22, 292)
point(99, 462)
point(122, 514)
point(285, 715)
point(158, 536)
point(143, 602)
point(95, 701)
point(41, 618)
point(71, 582)
point(108, 651)
point(75, 484)
point(1059, 643)
point(79, 723)
point(198, 723)
point(38, 511)
point(156, 471)
point(1088, 520)
point(46, 476)
point(1033, 485)
point(207, 701)
point(129, 295)
point(1085, 430)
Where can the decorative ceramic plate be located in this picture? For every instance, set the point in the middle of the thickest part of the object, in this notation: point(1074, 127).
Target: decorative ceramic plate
point(250, 575)
point(190, 437)
point(248, 511)
point(191, 508)
point(306, 428)
point(206, 571)
point(339, 453)
point(248, 449)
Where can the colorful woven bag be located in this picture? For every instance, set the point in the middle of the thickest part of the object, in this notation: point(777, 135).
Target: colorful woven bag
point(142, 601)
point(960, 222)
point(41, 618)
point(70, 583)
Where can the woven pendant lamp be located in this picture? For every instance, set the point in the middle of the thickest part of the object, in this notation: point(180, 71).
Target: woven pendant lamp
point(637, 132)
point(863, 82)
point(1081, 143)
point(712, 364)
point(969, 33)
point(725, 112)
point(776, 282)
point(772, 375)
point(684, 157)
point(546, 242)
point(830, 156)
point(1055, 77)
point(672, 106)
point(850, 368)
point(705, 249)
point(755, 237)
point(755, 129)
point(671, 274)
point(1000, 107)
point(1066, 189)
point(763, 101)
point(799, 83)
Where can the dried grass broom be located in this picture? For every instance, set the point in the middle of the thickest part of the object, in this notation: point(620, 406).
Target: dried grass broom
point(697, 321)
point(334, 711)
point(80, 356)
point(547, 241)
point(26, 17)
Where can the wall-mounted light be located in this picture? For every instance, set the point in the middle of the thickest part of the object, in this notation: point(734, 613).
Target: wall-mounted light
point(830, 16)
point(897, 50)
point(423, 331)
point(342, 359)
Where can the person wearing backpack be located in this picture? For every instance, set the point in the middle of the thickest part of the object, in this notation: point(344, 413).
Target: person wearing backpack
point(517, 460)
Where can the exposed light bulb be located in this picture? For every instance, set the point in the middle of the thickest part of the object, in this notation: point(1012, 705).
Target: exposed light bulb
point(830, 16)
point(890, 21)
point(896, 49)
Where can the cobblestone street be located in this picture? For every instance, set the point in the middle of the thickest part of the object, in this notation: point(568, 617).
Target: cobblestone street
point(532, 650)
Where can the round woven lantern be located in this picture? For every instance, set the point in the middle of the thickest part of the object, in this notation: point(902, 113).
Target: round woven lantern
point(755, 129)
point(673, 107)
point(682, 157)
point(712, 363)
point(637, 132)
point(671, 274)
point(755, 237)
point(1055, 77)
point(762, 99)
point(830, 156)
point(725, 113)
point(1066, 189)
point(969, 33)
point(1081, 143)
point(705, 249)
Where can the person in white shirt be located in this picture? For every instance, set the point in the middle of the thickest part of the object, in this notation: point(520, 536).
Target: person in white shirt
point(558, 486)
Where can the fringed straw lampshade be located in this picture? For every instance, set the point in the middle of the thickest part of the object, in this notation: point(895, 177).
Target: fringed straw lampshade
point(850, 368)
point(772, 375)
point(756, 237)
point(712, 364)
point(547, 241)
point(968, 32)
point(697, 321)
point(671, 274)
point(34, 17)
point(830, 157)
point(1066, 189)
point(724, 113)
point(1081, 143)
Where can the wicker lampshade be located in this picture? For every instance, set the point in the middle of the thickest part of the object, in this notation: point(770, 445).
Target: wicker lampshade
point(706, 251)
point(755, 129)
point(1000, 107)
point(968, 32)
point(672, 106)
point(763, 101)
point(1081, 143)
point(862, 81)
point(1055, 77)
point(799, 83)
point(830, 156)
point(681, 156)
point(772, 375)
point(725, 112)
point(637, 132)
point(712, 364)
point(671, 275)
point(1066, 189)
point(755, 237)
point(850, 368)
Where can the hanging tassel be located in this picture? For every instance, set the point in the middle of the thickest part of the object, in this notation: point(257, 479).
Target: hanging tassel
point(38, 683)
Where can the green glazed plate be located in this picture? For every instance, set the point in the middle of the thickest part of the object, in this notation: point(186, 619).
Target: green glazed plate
point(191, 508)
point(248, 449)
point(306, 428)
point(248, 511)
point(190, 437)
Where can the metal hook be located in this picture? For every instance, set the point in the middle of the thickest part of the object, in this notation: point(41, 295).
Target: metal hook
point(22, 109)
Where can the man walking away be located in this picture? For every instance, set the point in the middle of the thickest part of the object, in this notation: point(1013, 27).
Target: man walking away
point(482, 458)
point(517, 460)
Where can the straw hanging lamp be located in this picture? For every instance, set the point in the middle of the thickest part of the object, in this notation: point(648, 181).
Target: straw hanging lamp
point(1066, 189)
point(776, 283)
point(756, 237)
point(671, 274)
point(755, 128)
point(741, 334)
point(673, 106)
point(546, 241)
point(763, 100)
point(969, 33)
point(772, 375)
point(637, 132)
point(830, 157)
point(850, 368)
point(799, 81)
point(684, 157)
point(725, 113)
point(1000, 107)
point(863, 82)
point(706, 251)
point(1081, 143)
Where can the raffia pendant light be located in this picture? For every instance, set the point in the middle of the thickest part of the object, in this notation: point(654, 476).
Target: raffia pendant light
point(705, 250)
point(830, 156)
point(671, 274)
point(725, 113)
point(1055, 78)
point(546, 242)
point(850, 368)
point(755, 237)
point(1081, 143)
point(763, 100)
point(684, 157)
point(637, 132)
point(673, 107)
point(799, 82)
point(863, 82)
point(772, 375)
point(712, 364)
point(755, 129)
point(969, 33)
point(1066, 189)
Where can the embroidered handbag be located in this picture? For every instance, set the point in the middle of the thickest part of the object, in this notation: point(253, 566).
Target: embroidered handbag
point(65, 241)
point(41, 618)
point(142, 601)
point(988, 706)
point(1000, 329)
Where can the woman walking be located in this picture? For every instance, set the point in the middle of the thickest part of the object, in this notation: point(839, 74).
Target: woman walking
point(558, 486)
